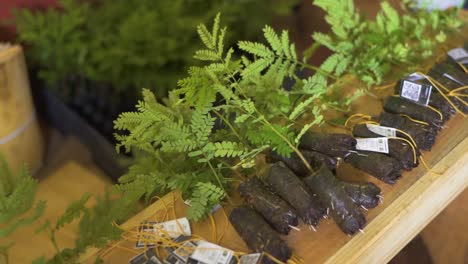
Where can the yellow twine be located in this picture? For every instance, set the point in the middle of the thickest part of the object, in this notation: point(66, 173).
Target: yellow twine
point(385, 86)
point(414, 120)
point(429, 78)
point(411, 145)
point(463, 67)
point(361, 116)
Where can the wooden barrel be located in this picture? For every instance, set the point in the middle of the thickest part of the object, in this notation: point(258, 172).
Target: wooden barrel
point(21, 141)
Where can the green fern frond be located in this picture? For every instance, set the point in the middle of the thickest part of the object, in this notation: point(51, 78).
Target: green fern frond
point(205, 196)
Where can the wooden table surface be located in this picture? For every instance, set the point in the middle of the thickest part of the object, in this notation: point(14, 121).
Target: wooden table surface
point(408, 206)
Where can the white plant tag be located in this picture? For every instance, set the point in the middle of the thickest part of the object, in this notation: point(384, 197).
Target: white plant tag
point(373, 144)
point(209, 253)
point(415, 77)
point(251, 258)
point(382, 130)
point(173, 227)
point(458, 54)
point(418, 93)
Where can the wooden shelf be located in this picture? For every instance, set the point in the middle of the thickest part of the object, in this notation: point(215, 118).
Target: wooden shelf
point(408, 206)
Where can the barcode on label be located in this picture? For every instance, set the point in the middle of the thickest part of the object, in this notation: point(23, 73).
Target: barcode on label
point(173, 228)
point(210, 253)
point(411, 90)
point(458, 54)
point(373, 144)
point(382, 130)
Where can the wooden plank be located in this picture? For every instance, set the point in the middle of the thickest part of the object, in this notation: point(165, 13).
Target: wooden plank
point(409, 206)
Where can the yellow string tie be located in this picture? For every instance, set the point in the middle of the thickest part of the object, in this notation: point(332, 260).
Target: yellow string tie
point(385, 86)
point(463, 67)
point(360, 116)
point(273, 258)
point(414, 120)
point(429, 78)
point(412, 147)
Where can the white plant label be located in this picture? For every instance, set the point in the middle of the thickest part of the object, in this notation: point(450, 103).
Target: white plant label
point(382, 130)
point(209, 253)
point(379, 144)
point(418, 93)
point(459, 55)
point(251, 258)
point(174, 228)
point(411, 90)
point(415, 77)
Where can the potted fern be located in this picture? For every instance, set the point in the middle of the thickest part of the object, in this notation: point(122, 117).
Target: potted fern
point(96, 56)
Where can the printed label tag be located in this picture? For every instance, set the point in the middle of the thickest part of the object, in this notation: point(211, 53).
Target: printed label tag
point(183, 253)
point(146, 231)
point(382, 130)
point(209, 253)
point(415, 77)
point(373, 144)
point(251, 258)
point(174, 228)
point(459, 55)
point(418, 93)
point(148, 257)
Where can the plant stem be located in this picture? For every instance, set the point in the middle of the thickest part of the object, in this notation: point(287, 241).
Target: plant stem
point(317, 69)
point(228, 124)
point(219, 181)
point(299, 154)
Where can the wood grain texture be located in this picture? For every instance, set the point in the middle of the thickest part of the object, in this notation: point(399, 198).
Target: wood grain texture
point(17, 114)
point(446, 236)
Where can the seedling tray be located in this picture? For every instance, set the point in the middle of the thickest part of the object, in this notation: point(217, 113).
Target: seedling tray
point(67, 121)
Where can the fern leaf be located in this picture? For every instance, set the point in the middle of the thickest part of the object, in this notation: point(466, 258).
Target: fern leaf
point(214, 33)
point(206, 55)
point(301, 108)
point(256, 67)
point(273, 40)
point(285, 44)
point(256, 49)
point(205, 196)
point(205, 36)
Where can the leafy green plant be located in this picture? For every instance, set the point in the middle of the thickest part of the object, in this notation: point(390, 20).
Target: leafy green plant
point(17, 206)
point(130, 44)
point(393, 39)
point(229, 109)
point(234, 107)
point(184, 148)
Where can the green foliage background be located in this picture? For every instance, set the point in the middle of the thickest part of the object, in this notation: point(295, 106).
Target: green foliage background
point(132, 44)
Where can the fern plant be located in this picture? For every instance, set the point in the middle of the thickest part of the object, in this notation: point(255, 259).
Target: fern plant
point(130, 44)
point(372, 47)
point(222, 116)
point(17, 206)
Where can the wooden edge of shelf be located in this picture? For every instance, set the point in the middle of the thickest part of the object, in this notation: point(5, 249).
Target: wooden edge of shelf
point(402, 220)
point(9, 52)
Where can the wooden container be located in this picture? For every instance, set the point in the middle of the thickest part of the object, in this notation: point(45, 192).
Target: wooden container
point(20, 136)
